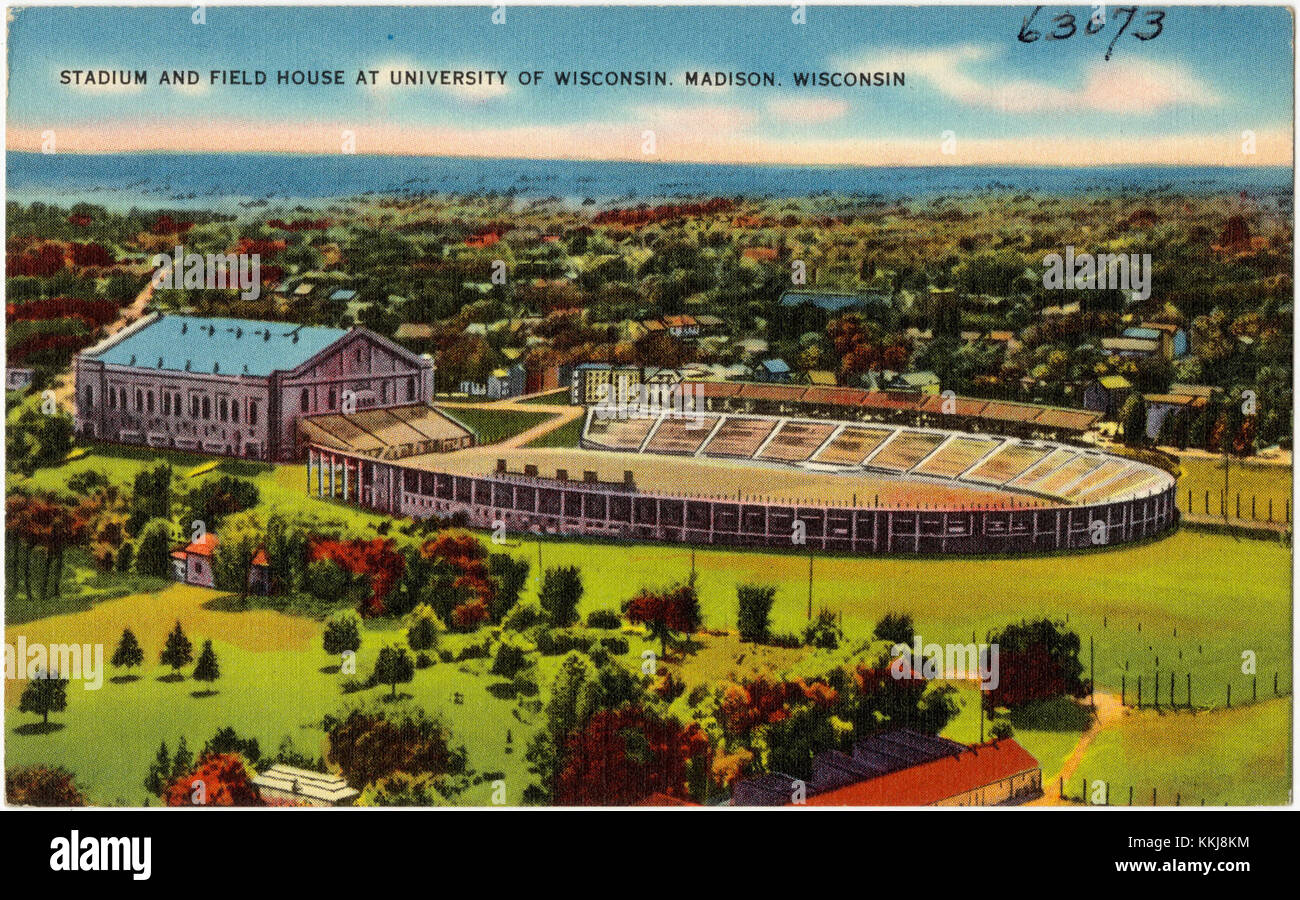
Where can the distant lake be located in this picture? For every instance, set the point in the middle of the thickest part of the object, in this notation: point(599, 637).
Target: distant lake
point(214, 180)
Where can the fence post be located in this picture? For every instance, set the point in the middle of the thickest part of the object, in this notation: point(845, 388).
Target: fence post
point(1189, 690)
point(1229, 695)
point(1060, 787)
point(1130, 795)
point(1172, 704)
point(1139, 702)
point(1122, 691)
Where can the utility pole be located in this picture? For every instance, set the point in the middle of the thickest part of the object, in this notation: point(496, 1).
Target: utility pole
point(810, 582)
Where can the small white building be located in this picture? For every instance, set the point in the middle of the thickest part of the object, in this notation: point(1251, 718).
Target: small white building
point(281, 782)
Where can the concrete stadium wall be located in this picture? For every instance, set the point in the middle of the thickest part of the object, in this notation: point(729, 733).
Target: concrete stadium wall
point(547, 506)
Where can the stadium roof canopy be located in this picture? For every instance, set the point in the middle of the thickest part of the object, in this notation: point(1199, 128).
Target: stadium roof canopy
point(386, 433)
point(219, 346)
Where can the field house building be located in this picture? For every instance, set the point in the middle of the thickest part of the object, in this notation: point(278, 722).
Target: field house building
point(237, 387)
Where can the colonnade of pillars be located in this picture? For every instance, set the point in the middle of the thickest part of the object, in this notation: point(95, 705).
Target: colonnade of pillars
point(333, 475)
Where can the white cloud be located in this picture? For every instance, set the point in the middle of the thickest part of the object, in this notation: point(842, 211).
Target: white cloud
point(1127, 87)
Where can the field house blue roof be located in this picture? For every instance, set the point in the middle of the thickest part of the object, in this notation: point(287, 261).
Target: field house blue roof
point(220, 346)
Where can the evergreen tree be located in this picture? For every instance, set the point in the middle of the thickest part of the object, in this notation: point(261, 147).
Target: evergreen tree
point(206, 669)
point(178, 651)
point(159, 771)
point(182, 762)
point(128, 654)
point(342, 633)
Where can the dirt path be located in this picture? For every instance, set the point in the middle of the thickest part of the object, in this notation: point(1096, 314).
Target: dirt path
point(65, 384)
point(1108, 712)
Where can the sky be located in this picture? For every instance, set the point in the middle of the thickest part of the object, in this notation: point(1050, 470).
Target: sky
point(1213, 86)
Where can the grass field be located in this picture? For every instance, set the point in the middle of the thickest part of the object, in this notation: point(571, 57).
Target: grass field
point(1239, 756)
point(492, 425)
point(1193, 601)
point(272, 686)
point(1263, 481)
point(567, 435)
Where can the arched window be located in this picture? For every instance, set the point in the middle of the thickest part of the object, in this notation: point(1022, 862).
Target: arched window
point(333, 398)
point(410, 389)
point(148, 400)
point(139, 399)
point(234, 413)
point(207, 407)
point(90, 396)
point(167, 403)
point(223, 409)
point(194, 406)
point(302, 402)
point(112, 399)
point(252, 412)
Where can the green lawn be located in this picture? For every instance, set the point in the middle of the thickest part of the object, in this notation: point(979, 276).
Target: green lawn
point(491, 426)
point(1221, 595)
point(1263, 481)
point(1239, 756)
point(567, 435)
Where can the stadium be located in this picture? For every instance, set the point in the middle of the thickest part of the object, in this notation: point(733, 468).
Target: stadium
point(718, 471)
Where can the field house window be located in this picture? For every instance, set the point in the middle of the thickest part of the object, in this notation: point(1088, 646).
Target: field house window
point(148, 400)
point(207, 407)
point(194, 406)
point(252, 412)
point(139, 399)
point(223, 409)
point(167, 403)
point(234, 411)
point(302, 401)
point(121, 397)
point(112, 399)
point(90, 397)
point(410, 389)
point(333, 398)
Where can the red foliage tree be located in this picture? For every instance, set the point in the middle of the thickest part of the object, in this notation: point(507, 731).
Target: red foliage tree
point(625, 755)
point(665, 612)
point(225, 783)
point(375, 558)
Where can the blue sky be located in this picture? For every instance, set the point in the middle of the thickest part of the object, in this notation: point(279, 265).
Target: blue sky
point(1213, 73)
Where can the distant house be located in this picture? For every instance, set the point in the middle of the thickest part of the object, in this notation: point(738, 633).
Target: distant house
point(343, 295)
point(414, 331)
point(596, 382)
point(507, 382)
point(1161, 406)
point(1176, 337)
point(821, 378)
point(925, 382)
point(774, 370)
point(1105, 394)
point(303, 786)
point(259, 573)
point(193, 565)
point(1131, 347)
point(759, 254)
point(753, 346)
point(19, 379)
point(1164, 340)
point(831, 301)
point(682, 326)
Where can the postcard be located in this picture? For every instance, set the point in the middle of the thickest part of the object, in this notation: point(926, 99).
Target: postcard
point(563, 406)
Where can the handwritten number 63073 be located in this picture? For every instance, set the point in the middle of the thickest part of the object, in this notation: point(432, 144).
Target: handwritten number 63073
point(1065, 25)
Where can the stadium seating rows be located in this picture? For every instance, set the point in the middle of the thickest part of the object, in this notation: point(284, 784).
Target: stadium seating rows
point(1042, 469)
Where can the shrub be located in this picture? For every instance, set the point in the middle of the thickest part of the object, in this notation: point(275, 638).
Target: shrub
point(824, 632)
point(755, 609)
point(342, 633)
point(423, 661)
point(326, 580)
point(423, 628)
point(604, 618)
point(616, 644)
point(525, 615)
point(153, 554)
point(511, 656)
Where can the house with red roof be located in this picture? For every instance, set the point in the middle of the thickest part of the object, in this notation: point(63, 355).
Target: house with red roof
point(193, 565)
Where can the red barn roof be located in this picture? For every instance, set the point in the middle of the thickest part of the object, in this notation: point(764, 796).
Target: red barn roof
point(935, 781)
point(204, 545)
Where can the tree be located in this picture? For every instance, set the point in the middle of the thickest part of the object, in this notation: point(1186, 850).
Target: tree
point(393, 667)
point(221, 779)
point(1133, 419)
point(1036, 661)
point(560, 594)
point(622, 756)
point(754, 616)
point(128, 654)
point(36, 438)
point(423, 628)
point(676, 610)
point(342, 632)
point(45, 693)
point(896, 628)
point(207, 669)
point(177, 651)
point(510, 575)
point(159, 771)
point(42, 786)
point(153, 550)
